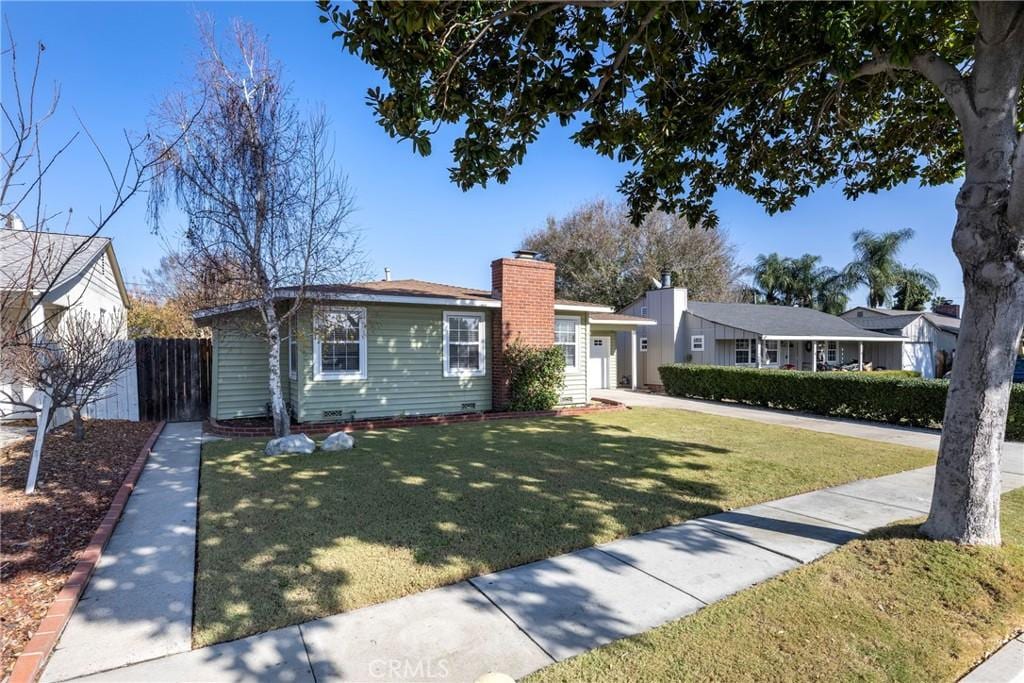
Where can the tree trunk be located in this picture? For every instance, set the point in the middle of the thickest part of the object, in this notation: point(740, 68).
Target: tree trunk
point(965, 500)
point(278, 410)
point(76, 416)
point(989, 242)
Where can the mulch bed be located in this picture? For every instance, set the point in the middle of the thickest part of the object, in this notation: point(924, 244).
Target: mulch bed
point(44, 532)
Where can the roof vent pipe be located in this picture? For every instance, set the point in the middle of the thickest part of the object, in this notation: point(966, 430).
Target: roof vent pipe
point(387, 275)
point(525, 254)
point(666, 278)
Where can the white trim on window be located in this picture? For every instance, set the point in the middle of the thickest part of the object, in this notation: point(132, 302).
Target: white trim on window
point(643, 311)
point(771, 346)
point(293, 351)
point(576, 366)
point(743, 346)
point(643, 344)
point(697, 342)
point(831, 351)
point(322, 318)
point(481, 342)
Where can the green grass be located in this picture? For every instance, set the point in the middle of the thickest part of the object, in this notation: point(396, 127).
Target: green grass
point(890, 607)
point(287, 539)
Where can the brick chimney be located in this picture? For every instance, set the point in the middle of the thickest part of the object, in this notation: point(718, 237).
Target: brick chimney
point(952, 310)
point(526, 288)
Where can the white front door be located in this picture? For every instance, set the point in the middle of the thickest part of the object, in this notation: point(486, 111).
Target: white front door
point(599, 364)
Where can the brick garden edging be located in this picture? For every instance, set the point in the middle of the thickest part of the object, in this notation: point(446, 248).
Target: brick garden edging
point(229, 430)
point(29, 663)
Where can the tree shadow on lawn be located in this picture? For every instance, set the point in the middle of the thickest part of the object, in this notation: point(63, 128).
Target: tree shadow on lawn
point(286, 539)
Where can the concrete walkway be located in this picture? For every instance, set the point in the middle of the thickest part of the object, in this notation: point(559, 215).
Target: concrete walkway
point(138, 605)
point(1005, 666)
point(522, 619)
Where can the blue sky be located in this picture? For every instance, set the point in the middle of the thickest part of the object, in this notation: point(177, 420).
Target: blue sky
point(116, 61)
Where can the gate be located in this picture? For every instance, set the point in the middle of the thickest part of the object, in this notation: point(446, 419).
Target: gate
point(173, 378)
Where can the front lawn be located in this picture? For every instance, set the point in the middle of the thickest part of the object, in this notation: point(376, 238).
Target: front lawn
point(889, 607)
point(286, 539)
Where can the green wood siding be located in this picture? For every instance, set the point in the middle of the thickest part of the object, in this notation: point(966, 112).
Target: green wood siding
point(240, 374)
point(405, 373)
point(576, 390)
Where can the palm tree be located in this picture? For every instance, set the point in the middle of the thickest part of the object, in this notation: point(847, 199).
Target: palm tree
point(771, 277)
point(914, 289)
point(875, 264)
point(832, 293)
point(802, 281)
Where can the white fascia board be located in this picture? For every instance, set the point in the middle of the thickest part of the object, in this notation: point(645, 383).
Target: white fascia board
point(392, 299)
point(621, 323)
point(825, 337)
point(583, 308)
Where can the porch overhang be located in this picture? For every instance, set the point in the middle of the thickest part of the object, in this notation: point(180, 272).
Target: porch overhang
point(826, 337)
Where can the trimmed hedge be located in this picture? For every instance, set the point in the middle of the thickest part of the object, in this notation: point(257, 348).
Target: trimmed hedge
point(536, 376)
point(885, 398)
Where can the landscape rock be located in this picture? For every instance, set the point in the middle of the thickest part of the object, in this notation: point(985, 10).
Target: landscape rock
point(293, 443)
point(338, 441)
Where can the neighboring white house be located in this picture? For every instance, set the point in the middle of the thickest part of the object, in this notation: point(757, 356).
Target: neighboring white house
point(930, 337)
point(63, 271)
point(747, 335)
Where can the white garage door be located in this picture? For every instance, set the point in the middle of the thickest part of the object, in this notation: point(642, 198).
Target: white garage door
point(918, 356)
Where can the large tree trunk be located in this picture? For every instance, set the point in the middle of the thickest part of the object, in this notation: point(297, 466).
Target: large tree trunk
point(965, 501)
point(277, 406)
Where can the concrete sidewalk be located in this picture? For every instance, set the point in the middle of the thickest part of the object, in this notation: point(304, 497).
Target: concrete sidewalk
point(522, 619)
point(138, 604)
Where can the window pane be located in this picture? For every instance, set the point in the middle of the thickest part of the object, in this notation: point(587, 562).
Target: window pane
point(569, 350)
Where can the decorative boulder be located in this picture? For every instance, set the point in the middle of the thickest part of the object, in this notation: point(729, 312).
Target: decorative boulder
point(293, 443)
point(338, 441)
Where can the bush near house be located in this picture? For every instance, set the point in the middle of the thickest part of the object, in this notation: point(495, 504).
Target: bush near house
point(535, 376)
point(900, 400)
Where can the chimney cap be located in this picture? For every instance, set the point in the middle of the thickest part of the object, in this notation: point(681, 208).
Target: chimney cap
point(526, 254)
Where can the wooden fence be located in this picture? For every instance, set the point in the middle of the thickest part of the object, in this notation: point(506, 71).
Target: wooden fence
point(173, 378)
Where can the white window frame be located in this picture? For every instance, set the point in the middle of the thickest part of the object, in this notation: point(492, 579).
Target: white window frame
point(643, 311)
point(318, 372)
point(481, 346)
point(643, 344)
point(575, 320)
point(832, 351)
point(293, 351)
point(768, 349)
point(748, 349)
point(697, 342)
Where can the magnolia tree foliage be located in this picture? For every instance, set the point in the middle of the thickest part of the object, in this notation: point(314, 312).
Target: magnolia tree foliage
point(772, 99)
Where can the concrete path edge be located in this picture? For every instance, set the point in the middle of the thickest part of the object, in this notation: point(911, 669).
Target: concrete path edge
point(38, 649)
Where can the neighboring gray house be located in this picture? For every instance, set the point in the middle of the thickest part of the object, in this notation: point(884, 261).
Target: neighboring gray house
point(747, 335)
point(929, 337)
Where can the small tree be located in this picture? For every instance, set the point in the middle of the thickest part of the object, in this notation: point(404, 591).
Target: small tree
point(259, 185)
point(82, 355)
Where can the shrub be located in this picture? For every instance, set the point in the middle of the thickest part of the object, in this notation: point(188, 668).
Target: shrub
point(535, 376)
point(877, 396)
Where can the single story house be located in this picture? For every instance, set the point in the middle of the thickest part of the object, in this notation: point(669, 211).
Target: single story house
point(747, 335)
point(408, 347)
point(44, 274)
point(929, 336)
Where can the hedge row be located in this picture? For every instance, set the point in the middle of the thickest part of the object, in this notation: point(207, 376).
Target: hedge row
point(911, 401)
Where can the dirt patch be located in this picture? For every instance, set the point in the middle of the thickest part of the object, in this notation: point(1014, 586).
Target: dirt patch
point(43, 533)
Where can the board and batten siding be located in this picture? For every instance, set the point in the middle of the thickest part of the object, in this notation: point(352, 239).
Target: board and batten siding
point(405, 370)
